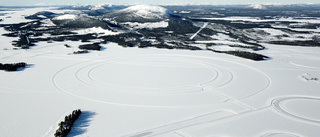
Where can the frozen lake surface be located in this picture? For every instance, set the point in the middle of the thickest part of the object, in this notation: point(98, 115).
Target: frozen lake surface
point(135, 92)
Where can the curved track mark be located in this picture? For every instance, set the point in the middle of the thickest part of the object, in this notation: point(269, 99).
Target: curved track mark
point(276, 103)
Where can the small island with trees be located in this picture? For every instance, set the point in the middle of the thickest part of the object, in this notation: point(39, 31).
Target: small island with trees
point(12, 66)
point(66, 125)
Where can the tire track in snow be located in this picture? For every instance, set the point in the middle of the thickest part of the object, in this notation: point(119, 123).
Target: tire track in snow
point(198, 120)
point(276, 104)
point(174, 127)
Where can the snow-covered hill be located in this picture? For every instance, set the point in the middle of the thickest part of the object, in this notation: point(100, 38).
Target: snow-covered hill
point(141, 13)
point(257, 6)
point(66, 17)
point(148, 11)
point(101, 6)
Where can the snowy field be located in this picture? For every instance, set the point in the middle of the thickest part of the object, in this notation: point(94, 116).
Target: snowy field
point(134, 92)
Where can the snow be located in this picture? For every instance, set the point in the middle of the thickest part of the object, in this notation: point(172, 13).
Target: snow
point(17, 15)
point(274, 31)
point(97, 30)
point(185, 12)
point(97, 7)
point(100, 6)
point(225, 48)
point(159, 92)
point(47, 22)
point(5, 41)
point(310, 30)
point(222, 37)
point(149, 25)
point(66, 17)
point(148, 11)
point(256, 19)
point(224, 42)
point(257, 6)
point(41, 16)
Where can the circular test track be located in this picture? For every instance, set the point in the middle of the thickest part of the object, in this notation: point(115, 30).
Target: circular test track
point(191, 81)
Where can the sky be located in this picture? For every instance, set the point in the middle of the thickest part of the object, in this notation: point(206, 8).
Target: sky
point(153, 2)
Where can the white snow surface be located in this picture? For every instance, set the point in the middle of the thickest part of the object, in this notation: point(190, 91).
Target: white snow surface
point(185, 12)
point(224, 48)
point(47, 22)
point(257, 6)
point(222, 37)
point(17, 15)
point(66, 17)
point(97, 30)
point(100, 6)
point(257, 19)
point(222, 42)
point(273, 31)
point(149, 25)
point(158, 92)
point(148, 11)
